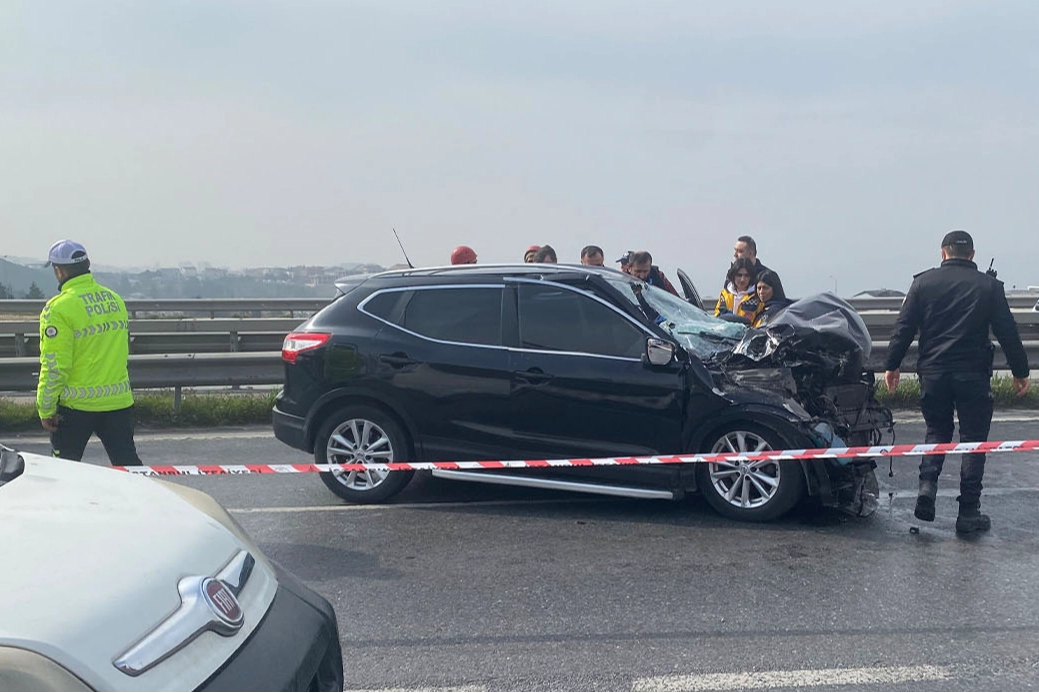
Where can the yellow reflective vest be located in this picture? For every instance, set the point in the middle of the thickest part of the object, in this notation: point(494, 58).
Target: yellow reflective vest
point(747, 308)
point(84, 345)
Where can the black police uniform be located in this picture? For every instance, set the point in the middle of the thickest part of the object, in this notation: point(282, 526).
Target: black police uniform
point(953, 307)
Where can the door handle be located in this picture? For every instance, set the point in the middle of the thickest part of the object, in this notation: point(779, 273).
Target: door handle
point(533, 376)
point(396, 360)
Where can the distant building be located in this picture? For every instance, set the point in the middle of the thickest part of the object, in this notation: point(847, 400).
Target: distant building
point(880, 293)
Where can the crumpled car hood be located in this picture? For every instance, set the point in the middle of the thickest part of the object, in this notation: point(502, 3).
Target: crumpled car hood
point(820, 331)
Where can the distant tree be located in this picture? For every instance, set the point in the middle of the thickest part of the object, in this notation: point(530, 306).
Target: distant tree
point(5, 291)
point(34, 292)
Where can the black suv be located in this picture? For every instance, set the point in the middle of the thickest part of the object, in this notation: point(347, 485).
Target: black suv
point(483, 362)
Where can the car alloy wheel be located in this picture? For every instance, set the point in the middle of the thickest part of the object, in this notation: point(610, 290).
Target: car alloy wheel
point(745, 485)
point(362, 434)
point(750, 491)
point(362, 442)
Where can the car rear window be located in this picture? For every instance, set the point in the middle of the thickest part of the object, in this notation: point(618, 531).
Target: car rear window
point(467, 315)
point(557, 319)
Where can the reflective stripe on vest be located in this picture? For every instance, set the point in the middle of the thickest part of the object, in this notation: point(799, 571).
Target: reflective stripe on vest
point(90, 330)
point(50, 393)
point(72, 394)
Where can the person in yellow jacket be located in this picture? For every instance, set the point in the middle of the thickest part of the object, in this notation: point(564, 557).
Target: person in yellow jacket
point(737, 301)
point(84, 385)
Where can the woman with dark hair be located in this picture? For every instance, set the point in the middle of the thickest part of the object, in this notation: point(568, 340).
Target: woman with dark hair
point(739, 288)
point(771, 298)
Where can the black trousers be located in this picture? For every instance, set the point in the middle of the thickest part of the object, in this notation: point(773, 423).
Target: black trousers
point(971, 396)
point(114, 428)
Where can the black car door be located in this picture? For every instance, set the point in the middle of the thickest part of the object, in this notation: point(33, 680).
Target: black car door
point(691, 294)
point(579, 384)
point(441, 356)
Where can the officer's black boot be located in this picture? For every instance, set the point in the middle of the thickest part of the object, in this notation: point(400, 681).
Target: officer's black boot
point(970, 519)
point(925, 500)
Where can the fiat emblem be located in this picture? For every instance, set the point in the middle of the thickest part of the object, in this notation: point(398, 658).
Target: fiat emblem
point(222, 603)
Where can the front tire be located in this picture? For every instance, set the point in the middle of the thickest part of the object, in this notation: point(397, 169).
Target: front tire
point(362, 434)
point(750, 491)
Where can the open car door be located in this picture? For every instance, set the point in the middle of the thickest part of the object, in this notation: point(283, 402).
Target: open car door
point(691, 294)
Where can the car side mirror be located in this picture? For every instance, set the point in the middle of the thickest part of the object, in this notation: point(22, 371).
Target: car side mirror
point(659, 352)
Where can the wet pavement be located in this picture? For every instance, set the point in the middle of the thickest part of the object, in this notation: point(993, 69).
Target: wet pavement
point(461, 586)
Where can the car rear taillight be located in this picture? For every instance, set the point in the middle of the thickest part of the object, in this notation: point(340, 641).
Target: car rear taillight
point(298, 342)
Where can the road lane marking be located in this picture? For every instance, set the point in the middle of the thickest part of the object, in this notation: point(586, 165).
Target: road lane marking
point(763, 680)
point(422, 506)
point(953, 492)
point(167, 436)
point(544, 501)
point(264, 433)
point(434, 689)
point(917, 418)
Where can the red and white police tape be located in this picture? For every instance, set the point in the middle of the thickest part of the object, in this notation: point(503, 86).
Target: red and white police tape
point(715, 458)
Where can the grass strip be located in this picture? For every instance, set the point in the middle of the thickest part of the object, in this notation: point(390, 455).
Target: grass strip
point(154, 409)
point(907, 394)
point(15, 416)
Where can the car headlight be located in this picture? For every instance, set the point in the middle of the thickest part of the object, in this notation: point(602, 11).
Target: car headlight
point(22, 670)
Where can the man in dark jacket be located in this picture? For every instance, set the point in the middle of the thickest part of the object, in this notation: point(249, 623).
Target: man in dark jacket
point(748, 248)
point(953, 307)
point(641, 266)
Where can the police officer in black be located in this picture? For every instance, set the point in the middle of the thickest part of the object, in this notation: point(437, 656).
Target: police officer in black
point(952, 307)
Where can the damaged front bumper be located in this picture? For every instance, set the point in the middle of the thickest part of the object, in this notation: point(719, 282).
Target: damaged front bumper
point(833, 416)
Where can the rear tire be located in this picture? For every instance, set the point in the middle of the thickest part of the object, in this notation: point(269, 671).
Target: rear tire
point(751, 491)
point(361, 433)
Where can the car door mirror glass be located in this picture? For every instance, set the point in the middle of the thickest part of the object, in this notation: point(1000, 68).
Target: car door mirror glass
point(659, 352)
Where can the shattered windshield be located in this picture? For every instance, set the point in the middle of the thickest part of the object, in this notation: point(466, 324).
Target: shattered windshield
point(698, 332)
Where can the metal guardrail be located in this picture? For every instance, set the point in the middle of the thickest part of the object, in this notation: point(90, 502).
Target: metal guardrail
point(169, 336)
point(878, 357)
point(224, 335)
point(867, 303)
point(177, 335)
point(168, 371)
point(266, 368)
point(212, 306)
point(185, 352)
point(881, 323)
point(202, 306)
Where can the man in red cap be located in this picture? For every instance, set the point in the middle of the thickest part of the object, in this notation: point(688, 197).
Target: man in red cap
point(531, 252)
point(463, 255)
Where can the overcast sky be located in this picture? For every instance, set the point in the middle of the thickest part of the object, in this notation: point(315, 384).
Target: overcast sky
point(846, 137)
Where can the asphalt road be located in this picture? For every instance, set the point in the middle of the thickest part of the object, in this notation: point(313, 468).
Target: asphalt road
point(467, 587)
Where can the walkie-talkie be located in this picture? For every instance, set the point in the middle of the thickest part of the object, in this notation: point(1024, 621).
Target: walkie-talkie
point(991, 272)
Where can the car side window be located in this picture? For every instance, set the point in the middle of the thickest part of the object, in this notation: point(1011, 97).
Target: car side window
point(468, 315)
point(556, 319)
point(384, 305)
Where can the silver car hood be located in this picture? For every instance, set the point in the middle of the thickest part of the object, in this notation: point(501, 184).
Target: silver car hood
point(92, 559)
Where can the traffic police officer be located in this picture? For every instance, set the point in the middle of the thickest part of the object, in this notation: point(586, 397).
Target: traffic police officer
point(84, 386)
point(953, 307)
